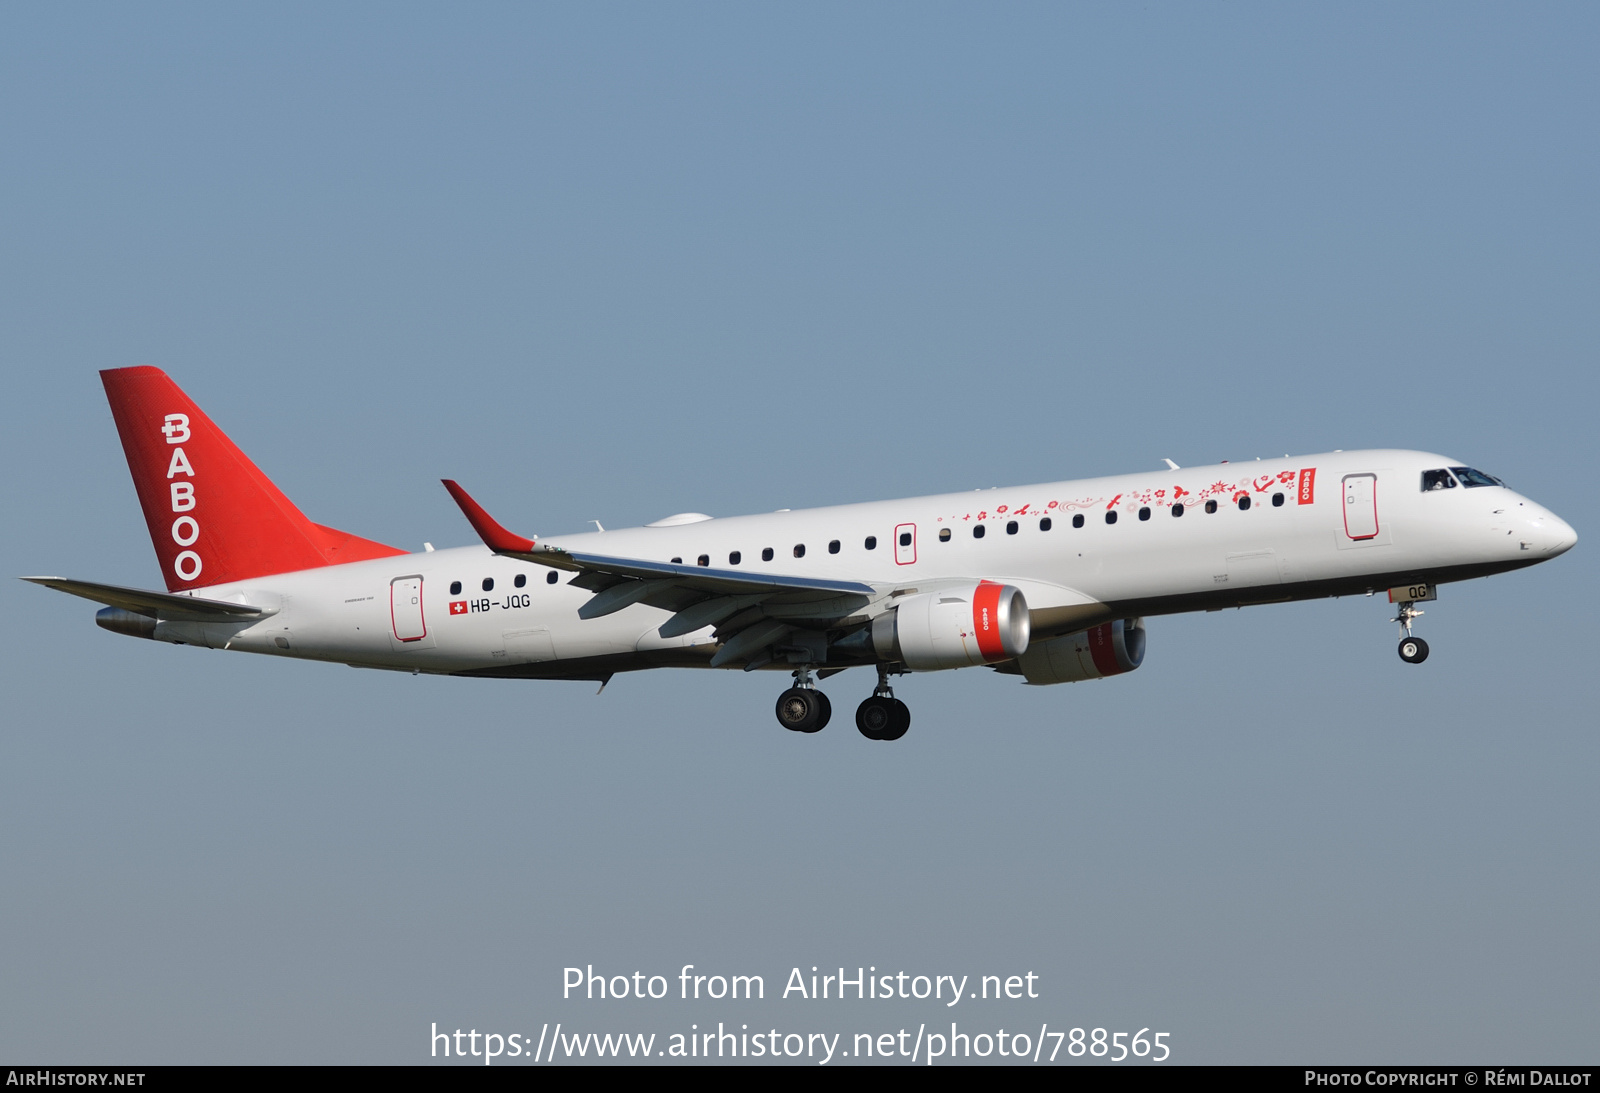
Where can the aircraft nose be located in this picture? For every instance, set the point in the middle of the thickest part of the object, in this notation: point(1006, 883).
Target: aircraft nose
point(1546, 532)
point(1560, 535)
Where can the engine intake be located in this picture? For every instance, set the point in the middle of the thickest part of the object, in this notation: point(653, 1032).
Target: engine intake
point(957, 627)
point(1105, 650)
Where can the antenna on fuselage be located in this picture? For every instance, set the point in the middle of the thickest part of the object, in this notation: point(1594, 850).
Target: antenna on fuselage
point(1171, 465)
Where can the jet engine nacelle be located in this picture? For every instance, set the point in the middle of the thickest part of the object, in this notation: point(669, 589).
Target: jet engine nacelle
point(1105, 650)
point(957, 627)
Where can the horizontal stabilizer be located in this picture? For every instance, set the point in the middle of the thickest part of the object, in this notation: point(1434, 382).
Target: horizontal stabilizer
point(160, 605)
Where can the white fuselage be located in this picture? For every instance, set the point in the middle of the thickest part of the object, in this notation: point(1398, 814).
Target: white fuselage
point(1359, 521)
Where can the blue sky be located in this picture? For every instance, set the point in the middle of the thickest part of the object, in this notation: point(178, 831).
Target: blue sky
point(611, 262)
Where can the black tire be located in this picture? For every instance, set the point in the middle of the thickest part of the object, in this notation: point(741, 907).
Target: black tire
point(876, 716)
point(827, 711)
point(1413, 650)
point(800, 709)
point(901, 722)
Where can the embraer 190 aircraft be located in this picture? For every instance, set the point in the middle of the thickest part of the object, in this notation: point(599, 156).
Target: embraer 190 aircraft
point(1050, 583)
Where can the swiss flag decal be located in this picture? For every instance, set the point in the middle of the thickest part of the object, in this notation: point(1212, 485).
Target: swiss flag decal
point(458, 607)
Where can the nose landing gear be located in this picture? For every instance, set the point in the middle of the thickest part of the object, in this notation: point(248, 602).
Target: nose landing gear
point(883, 716)
point(803, 708)
point(1413, 650)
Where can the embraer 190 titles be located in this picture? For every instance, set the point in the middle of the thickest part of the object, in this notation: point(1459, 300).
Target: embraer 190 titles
point(1050, 583)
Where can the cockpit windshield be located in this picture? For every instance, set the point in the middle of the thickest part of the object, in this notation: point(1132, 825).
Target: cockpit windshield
point(1470, 477)
point(1437, 480)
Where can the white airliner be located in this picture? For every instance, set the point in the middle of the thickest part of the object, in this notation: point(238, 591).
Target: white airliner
point(1050, 583)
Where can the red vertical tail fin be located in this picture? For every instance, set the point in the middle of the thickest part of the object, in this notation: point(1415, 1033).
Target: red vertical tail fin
point(213, 516)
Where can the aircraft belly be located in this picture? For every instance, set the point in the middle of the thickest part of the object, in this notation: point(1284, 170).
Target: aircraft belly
point(576, 639)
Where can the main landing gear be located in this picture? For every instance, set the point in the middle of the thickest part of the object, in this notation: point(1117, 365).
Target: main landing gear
point(1413, 650)
point(883, 716)
point(803, 708)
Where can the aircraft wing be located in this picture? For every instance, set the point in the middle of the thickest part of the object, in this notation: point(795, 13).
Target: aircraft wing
point(750, 611)
point(161, 605)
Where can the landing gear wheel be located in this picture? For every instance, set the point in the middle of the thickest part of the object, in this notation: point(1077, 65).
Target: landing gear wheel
point(802, 709)
point(875, 717)
point(901, 722)
point(883, 718)
point(1413, 650)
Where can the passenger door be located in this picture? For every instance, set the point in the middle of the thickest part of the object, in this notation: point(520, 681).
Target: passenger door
point(1361, 506)
point(405, 609)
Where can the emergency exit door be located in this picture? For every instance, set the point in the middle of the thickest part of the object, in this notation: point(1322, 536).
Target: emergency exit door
point(1361, 506)
point(405, 608)
point(905, 544)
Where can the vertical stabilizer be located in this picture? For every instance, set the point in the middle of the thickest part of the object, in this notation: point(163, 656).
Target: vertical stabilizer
point(213, 516)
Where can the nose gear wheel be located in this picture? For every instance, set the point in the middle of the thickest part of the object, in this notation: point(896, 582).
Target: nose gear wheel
point(1413, 650)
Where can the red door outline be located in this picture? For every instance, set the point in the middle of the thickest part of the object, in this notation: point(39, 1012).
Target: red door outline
point(406, 617)
point(905, 555)
point(1362, 507)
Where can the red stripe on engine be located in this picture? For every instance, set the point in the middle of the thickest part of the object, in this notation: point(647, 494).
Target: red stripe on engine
point(986, 621)
point(1105, 657)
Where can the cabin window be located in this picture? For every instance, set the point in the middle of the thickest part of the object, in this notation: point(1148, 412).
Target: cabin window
point(1144, 513)
point(799, 550)
point(1044, 524)
point(1011, 527)
point(733, 558)
point(1111, 517)
point(1211, 506)
point(1177, 510)
point(1471, 478)
point(871, 543)
point(766, 554)
point(1277, 500)
point(1437, 480)
point(1077, 521)
point(552, 577)
point(1244, 504)
point(455, 588)
point(704, 559)
point(521, 580)
point(488, 584)
point(905, 538)
point(944, 535)
point(833, 546)
point(977, 531)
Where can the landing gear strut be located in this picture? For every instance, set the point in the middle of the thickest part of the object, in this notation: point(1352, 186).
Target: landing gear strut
point(1413, 650)
point(803, 708)
point(883, 716)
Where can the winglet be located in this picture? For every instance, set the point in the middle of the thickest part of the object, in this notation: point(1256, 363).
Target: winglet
point(495, 537)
